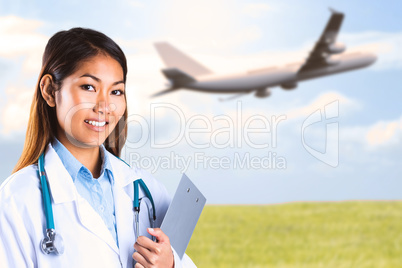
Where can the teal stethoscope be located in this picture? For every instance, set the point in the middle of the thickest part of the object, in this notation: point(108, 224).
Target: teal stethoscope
point(53, 242)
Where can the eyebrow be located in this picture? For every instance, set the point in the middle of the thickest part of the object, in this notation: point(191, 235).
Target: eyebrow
point(98, 79)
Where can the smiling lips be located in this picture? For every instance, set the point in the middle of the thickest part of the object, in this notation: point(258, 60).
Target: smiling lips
point(95, 123)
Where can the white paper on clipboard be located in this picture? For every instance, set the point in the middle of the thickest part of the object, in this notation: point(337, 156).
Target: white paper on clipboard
point(182, 215)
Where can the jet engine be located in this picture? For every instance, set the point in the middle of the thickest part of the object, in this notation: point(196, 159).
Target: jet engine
point(289, 86)
point(263, 93)
point(331, 61)
point(336, 48)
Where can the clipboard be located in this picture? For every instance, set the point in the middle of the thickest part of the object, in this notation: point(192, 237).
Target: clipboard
point(183, 214)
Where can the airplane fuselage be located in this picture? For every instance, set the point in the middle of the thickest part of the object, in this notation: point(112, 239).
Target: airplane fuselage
point(277, 76)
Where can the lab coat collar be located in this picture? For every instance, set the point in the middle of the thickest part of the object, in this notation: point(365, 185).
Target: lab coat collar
point(124, 174)
point(63, 190)
point(74, 166)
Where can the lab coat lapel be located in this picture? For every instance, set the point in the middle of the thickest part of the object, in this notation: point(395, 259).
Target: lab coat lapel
point(63, 190)
point(61, 185)
point(124, 223)
point(94, 223)
point(123, 192)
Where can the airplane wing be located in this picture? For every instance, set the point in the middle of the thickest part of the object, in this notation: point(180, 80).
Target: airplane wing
point(325, 46)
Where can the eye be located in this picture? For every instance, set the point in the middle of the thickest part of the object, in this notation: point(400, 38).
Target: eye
point(117, 92)
point(88, 87)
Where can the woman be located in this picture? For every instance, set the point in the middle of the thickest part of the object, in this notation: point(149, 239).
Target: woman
point(78, 122)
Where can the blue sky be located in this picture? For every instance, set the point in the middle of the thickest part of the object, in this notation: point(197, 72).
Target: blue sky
point(232, 36)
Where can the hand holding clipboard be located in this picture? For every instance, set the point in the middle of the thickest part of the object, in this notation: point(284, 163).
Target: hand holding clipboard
point(183, 214)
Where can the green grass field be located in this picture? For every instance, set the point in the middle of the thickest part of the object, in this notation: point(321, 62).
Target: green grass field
point(345, 234)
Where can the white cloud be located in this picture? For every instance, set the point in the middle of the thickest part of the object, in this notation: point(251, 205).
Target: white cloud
point(33, 62)
point(345, 103)
point(135, 3)
point(15, 113)
point(275, 117)
point(20, 37)
point(385, 133)
point(206, 24)
point(255, 10)
point(373, 143)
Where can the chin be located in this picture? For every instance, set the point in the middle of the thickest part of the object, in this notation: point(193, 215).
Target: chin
point(95, 143)
point(88, 143)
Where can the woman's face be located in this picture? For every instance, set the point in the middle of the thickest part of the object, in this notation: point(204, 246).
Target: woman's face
point(90, 102)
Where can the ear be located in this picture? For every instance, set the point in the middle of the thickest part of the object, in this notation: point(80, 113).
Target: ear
point(47, 90)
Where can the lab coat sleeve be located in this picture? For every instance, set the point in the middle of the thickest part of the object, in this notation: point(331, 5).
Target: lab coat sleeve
point(16, 245)
point(186, 262)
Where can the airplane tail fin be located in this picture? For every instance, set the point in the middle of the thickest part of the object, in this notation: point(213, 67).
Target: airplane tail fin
point(174, 58)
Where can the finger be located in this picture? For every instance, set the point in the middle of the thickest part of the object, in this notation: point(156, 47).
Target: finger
point(144, 252)
point(145, 242)
point(139, 259)
point(139, 265)
point(159, 234)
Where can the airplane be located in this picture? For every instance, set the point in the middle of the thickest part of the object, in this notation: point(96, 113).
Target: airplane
point(183, 72)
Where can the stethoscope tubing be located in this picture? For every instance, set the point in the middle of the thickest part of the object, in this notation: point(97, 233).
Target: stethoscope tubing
point(47, 244)
point(45, 194)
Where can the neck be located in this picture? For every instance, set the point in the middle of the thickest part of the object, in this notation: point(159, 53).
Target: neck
point(88, 156)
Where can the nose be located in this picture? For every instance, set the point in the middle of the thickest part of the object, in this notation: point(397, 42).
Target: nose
point(102, 105)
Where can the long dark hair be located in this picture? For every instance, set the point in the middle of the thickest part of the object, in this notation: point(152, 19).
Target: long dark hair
point(63, 53)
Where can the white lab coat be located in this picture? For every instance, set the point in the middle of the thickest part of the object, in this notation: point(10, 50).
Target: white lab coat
point(88, 242)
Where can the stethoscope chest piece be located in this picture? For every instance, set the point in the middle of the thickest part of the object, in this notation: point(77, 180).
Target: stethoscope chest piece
point(52, 243)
